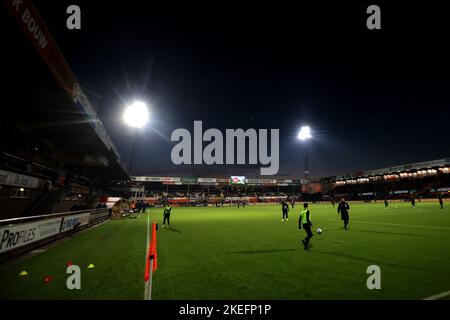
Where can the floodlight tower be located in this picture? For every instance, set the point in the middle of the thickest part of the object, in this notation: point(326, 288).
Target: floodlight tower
point(135, 115)
point(303, 135)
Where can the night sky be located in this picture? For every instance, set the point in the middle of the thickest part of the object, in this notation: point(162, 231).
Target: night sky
point(372, 98)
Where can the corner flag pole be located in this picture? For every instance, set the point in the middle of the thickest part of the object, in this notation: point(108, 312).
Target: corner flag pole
point(151, 263)
point(149, 282)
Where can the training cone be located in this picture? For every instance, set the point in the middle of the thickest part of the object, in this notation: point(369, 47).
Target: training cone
point(48, 279)
point(91, 266)
point(23, 273)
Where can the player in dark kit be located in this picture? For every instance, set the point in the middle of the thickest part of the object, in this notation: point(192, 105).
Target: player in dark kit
point(386, 203)
point(285, 209)
point(343, 209)
point(166, 215)
point(305, 221)
point(441, 202)
point(413, 202)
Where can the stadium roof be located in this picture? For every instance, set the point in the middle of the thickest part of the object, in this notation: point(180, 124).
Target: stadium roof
point(49, 102)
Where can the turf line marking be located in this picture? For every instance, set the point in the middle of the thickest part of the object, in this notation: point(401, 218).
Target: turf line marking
point(438, 296)
point(148, 233)
point(38, 251)
point(146, 251)
point(397, 224)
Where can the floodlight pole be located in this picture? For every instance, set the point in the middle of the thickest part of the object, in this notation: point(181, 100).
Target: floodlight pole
point(133, 151)
point(306, 165)
point(305, 135)
point(306, 155)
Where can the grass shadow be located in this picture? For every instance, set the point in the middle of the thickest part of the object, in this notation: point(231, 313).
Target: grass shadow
point(390, 233)
point(173, 229)
point(261, 251)
point(372, 261)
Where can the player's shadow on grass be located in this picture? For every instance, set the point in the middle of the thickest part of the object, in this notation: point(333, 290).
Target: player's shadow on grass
point(261, 251)
point(372, 261)
point(390, 233)
point(173, 229)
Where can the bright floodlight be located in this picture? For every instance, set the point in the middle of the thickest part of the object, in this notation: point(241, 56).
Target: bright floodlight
point(304, 133)
point(136, 115)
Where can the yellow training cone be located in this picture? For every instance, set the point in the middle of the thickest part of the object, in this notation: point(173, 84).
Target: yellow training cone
point(91, 266)
point(23, 273)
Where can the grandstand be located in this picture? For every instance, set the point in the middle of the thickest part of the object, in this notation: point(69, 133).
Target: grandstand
point(155, 191)
point(196, 191)
point(55, 153)
point(422, 180)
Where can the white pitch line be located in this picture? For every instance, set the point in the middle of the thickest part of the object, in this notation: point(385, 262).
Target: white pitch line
point(148, 233)
point(146, 251)
point(38, 251)
point(438, 296)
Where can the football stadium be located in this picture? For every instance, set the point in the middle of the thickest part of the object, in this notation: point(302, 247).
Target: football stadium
point(236, 246)
point(98, 202)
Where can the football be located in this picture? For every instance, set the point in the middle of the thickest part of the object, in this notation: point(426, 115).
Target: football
point(319, 231)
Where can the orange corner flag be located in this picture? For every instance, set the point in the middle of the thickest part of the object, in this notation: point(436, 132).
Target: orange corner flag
point(151, 255)
point(155, 256)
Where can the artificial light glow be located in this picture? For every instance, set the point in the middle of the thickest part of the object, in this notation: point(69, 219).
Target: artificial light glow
point(304, 133)
point(136, 115)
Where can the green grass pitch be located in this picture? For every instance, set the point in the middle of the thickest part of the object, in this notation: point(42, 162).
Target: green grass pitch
point(248, 253)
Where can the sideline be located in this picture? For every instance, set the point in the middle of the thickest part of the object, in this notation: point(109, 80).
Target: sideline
point(146, 251)
point(438, 296)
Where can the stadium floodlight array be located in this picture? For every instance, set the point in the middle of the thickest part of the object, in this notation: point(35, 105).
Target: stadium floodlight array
point(304, 133)
point(136, 115)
